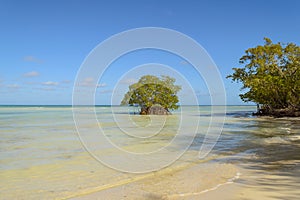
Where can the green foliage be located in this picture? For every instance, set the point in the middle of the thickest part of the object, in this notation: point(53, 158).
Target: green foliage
point(151, 90)
point(271, 75)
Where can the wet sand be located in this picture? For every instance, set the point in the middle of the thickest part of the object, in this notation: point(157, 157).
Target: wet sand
point(188, 183)
point(226, 178)
point(208, 181)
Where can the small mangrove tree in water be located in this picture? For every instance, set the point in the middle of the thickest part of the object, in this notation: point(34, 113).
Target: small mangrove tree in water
point(153, 95)
point(271, 77)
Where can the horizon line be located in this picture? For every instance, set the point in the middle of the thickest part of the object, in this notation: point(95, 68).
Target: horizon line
point(115, 105)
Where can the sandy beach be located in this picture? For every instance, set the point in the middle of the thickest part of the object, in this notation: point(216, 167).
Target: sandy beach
point(189, 183)
point(234, 183)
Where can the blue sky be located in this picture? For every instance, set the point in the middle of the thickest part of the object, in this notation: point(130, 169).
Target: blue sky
point(44, 43)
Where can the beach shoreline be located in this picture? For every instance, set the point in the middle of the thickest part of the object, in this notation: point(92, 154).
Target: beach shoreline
point(245, 184)
point(188, 183)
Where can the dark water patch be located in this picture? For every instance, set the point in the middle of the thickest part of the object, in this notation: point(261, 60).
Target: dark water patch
point(236, 114)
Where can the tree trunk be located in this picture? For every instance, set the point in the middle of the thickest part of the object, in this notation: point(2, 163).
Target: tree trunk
point(154, 110)
point(284, 112)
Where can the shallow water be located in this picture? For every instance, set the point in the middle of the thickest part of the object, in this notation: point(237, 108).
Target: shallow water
point(41, 155)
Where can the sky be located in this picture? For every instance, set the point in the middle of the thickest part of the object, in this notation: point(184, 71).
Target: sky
point(43, 44)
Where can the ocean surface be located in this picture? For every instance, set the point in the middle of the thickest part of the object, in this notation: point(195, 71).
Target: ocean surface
point(44, 156)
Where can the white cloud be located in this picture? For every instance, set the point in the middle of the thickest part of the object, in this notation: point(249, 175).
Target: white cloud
point(14, 86)
point(101, 85)
point(66, 81)
point(31, 83)
point(50, 83)
point(48, 86)
point(31, 74)
point(32, 59)
point(45, 88)
point(90, 82)
point(105, 91)
point(128, 81)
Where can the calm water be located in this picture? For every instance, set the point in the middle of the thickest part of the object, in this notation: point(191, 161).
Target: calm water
point(42, 157)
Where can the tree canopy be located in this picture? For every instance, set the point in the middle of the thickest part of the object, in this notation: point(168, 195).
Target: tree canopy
point(152, 91)
point(271, 76)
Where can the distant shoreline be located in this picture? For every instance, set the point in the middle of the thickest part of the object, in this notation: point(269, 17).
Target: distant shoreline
point(7, 105)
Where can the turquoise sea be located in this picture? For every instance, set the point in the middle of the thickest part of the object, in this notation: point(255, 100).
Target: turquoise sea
point(42, 155)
